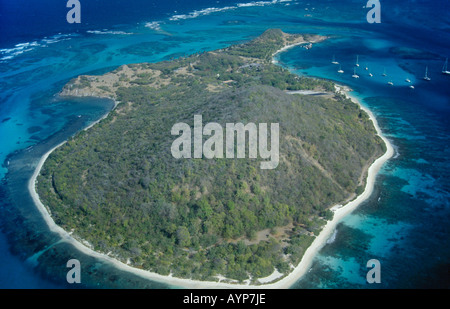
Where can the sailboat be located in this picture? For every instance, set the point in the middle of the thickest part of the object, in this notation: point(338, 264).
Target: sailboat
point(391, 83)
point(407, 80)
point(354, 74)
point(384, 72)
point(426, 75)
point(340, 69)
point(444, 68)
point(370, 74)
point(357, 57)
point(334, 61)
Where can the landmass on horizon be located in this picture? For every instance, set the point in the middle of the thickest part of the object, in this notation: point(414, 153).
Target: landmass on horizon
point(117, 188)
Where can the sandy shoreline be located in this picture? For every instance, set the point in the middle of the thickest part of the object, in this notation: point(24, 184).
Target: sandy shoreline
point(286, 48)
point(286, 282)
point(274, 61)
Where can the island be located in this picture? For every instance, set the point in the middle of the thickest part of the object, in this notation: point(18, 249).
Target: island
point(117, 189)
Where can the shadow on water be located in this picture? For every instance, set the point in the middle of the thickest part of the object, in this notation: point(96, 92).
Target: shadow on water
point(29, 237)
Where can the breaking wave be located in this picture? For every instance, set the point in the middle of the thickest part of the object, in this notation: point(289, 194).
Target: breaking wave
point(108, 32)
point(18, 49)
point(208, 11)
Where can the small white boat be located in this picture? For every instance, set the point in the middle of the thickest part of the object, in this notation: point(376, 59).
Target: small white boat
point(444, 68)
point(391, 83)
point(412, 87)
point(407, 80)
point(357, 57)
point(370, 74)
point(384, 72)
point(340, 70)
point(426, 77)
point(334, 61)
point(354, 74)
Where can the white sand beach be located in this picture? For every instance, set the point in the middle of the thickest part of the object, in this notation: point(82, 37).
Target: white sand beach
point(286, 282)
point(284, 49)
point(275, 61)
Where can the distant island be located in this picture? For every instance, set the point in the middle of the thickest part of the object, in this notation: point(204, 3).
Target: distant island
point(117, 188)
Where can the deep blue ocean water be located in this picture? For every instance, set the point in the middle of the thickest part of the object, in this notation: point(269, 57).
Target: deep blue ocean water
point(405, 223)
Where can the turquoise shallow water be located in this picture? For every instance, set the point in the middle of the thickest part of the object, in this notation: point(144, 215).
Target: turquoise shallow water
point(405, 222)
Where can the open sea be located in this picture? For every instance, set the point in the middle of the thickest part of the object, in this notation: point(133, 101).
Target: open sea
point(405, 223)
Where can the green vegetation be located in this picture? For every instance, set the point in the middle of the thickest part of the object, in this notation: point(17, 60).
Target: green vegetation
point(118, 186)
point(84, 83)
